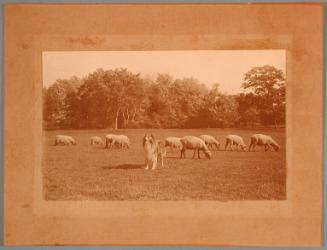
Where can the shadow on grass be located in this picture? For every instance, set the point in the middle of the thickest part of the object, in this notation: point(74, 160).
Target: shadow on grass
point(110, 149)
point(103, 147)
point(173, 157)
point(125, 166)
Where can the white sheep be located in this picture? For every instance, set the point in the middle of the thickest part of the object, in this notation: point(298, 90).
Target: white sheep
point(263, 140)
point(234, 140)
point(193, 142)
point(173, 142)
point(64, 140)
point(210, 141)
point(120, 140)
point(109, 138)
point(96, 140)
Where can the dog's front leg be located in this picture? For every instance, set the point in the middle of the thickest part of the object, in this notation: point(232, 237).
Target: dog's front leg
point(162, 159)
point(154, 163)
point(146, 164)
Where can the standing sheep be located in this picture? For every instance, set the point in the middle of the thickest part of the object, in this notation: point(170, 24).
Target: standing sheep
point(64, 140)
point(193, 142)
point(263, 140)
point(96, 140)
point(210, 141)
point(234, 140)
point(109, 138)
point(173, 142)
point(120, 140)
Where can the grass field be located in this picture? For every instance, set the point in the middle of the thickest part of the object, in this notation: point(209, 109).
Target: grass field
point(86, 172)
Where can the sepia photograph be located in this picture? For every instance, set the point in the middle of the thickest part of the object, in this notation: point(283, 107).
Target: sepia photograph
point(164, 125)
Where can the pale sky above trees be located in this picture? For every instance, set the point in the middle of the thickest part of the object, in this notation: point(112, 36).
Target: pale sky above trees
point(226, 67)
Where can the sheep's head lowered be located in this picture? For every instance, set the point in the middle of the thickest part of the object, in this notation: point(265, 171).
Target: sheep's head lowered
point(275, 146)
point(207, 154)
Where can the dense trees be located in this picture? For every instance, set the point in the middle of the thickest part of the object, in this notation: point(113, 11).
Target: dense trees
point(60, 104)
point(121, 99)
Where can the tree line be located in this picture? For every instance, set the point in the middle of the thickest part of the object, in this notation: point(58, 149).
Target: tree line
point(118, 98)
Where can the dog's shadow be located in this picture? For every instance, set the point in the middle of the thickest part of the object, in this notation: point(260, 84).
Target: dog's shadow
point(125, 166)
point(173, 157)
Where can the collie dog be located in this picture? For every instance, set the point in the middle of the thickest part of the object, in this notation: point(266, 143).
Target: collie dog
point(154, 151)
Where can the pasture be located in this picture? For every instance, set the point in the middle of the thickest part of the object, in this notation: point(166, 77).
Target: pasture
point(85, 172)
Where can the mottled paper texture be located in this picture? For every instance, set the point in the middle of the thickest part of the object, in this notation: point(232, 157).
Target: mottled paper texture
point(30, 29)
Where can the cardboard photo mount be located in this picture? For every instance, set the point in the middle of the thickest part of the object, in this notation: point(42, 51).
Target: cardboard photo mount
point(30, 29)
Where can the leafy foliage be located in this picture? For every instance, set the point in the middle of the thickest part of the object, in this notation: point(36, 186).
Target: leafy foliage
point(121, 99)
point(267, 91)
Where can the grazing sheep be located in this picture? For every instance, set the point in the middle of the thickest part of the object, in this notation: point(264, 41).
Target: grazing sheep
point(120, 140)
point(210, 141)
point(234, 140)
point(193, 142)
point(263, 140)
point(154, 151)
point(96, 140)
point(173, 142)
point(64, 140)
point(109, 138)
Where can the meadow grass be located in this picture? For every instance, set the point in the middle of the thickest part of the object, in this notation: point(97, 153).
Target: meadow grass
point(85, 172)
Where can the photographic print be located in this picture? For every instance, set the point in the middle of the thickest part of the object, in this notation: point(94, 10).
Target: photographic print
point(164, 125)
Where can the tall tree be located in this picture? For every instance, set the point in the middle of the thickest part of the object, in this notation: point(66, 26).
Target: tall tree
point(58, 104)
point(111, 96)
point(268, 84)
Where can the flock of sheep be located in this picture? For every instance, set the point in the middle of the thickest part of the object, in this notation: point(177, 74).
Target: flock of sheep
point(206, 142)
point(156, 149)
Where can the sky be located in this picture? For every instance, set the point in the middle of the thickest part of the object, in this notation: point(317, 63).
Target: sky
point(225, 67)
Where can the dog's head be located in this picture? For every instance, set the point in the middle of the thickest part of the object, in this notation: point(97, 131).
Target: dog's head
point(148, 138)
